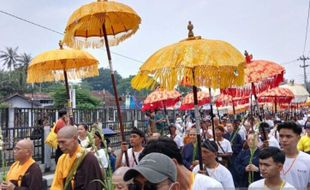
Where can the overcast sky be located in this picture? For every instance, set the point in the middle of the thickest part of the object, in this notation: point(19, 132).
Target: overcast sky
point(269, 29)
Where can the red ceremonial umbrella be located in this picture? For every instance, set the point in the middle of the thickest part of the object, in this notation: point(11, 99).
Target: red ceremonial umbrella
point(260, 75)
point(277, 96)
point(161, 99)
point(225, 100)
point(188, 100)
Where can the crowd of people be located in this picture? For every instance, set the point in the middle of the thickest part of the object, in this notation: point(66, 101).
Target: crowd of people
point(239, 152)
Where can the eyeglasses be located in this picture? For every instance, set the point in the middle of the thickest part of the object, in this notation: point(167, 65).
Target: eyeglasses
point(18, 149)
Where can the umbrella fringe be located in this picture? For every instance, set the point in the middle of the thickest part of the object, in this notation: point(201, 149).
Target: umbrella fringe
point(36, 74)
point(260, 86)
point(84, 28)
point(75, 42)
point(208, 76)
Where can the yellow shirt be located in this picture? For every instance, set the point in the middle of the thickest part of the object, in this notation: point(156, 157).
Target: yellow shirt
point(63, 167)
point(304, 144)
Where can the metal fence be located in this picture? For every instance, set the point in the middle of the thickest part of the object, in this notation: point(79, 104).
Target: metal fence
point(13, 135)
point(20, 123)
point(26, 117)
point(23, 121)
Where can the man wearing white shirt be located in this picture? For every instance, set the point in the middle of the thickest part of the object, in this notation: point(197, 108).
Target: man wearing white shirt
point(212, 167)
point(271, 160)
point(264, 130)
point(137, 137)
point(241, 129)
point(176, 138)
point(296, 169)
point(224, 146)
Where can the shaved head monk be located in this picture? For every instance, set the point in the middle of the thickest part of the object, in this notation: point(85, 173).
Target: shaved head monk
point(24, 173)
point(76, 168)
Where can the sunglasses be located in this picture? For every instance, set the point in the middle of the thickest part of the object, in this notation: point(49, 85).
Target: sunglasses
point(139, 186)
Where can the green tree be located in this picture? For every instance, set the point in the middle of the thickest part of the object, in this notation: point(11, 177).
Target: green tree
point(124, 88)
point(103, 80)
point(84, 99)
point(13, 76)
point(6, 87)
point(9, 57)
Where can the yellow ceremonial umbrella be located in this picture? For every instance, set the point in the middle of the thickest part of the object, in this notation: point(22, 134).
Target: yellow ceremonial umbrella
point(194, 61)
point(102, 23)
point(91, 23)
point(62, 64)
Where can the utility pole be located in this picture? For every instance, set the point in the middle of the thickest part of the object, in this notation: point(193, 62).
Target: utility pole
point(304, 66)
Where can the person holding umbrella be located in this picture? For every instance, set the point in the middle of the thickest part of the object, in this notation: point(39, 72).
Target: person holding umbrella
point(137, 138)
point(224, 147)
point(212, 167)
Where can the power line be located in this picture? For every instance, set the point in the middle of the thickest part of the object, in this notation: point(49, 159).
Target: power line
point(57, 32)
point(124, 56)
point(30, 22)
point(289, 62)
point(307, 25)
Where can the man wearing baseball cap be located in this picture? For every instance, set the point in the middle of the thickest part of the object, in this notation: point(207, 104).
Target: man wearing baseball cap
point(154, 171)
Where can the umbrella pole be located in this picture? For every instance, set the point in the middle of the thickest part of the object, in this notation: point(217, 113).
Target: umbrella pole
point(69, 108)
point(275, 105)
point(67, 85)
point(256, 102)
point(212, 115)
point(251, 106)
point(197, 123)
point(119, 115)
point(167, 119)
point(234, 110)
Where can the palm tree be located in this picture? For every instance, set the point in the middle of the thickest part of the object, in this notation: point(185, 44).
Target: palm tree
point(9, 57)
point(23, 61)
